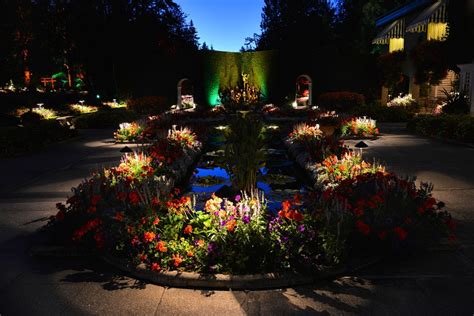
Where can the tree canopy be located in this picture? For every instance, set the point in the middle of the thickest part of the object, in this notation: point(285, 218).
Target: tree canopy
point(112, 43)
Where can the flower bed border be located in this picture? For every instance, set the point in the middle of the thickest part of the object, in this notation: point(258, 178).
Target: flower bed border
point(225, 281)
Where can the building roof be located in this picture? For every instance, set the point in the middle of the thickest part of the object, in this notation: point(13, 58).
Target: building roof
point(402, 11)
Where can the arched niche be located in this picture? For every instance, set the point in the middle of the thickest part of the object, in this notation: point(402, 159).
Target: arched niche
point(185, 90)
point(304, 91)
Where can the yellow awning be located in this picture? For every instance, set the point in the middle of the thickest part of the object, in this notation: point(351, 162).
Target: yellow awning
point(436, 13)
point(393, 30)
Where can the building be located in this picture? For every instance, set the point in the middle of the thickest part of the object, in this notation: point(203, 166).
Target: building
point(404, 30)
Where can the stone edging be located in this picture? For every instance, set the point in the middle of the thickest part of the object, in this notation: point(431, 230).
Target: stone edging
point(222, 281)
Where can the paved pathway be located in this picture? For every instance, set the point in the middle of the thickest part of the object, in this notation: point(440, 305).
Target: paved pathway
point(438, 282)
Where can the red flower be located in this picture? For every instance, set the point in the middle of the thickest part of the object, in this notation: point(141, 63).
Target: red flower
point(99, 240)
point(297, 216)
point(92, 209)
point(363, 227)
point(382, 235)
point(401, 233)
point(156, 221)
point(149, 236)
point(134, 198)
point(121, 196)
point(155, 267)
point(177, 259)
point(119, 216)
point(95, 199)
point(161, 246)
point(60, 216)
point(135, 241)
point(188, 229)
point(155, 202)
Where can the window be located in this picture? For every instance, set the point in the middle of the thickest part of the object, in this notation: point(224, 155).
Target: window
point(437, 31)
point(395, 44)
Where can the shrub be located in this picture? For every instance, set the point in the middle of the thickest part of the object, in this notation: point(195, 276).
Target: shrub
point(379, 213)
point(404, 101)
point(19, 140)
point(456, 103)
point(148, 104)
point(105, 118)
point(359, 127)
point(383, 113)
point(341, 101)
point(30, 118)
point(129, 132)
point(457, 127)
point(82, 109)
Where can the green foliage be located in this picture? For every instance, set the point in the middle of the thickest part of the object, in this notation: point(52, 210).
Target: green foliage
point(30, 118)
point(431, 62)
point(390, 66)
point(456, 103)
point(382, 113)
point(223, 71)
point(457, 127)
point(244, 150)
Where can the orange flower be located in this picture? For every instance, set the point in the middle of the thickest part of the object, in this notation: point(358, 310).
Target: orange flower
point(156, 221)
point(161, 246)
point(190, 254)
point(119, 216)
point(149, 236)
point(177, 259)
point(200, 242)
point(231, 225)
point(155, 267)
point(188, 229)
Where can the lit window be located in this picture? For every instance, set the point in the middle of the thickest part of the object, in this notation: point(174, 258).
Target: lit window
point(395, 44)
point(437, 31)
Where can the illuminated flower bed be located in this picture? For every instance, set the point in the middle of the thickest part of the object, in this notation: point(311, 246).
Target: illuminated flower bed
point(132, 212)
point(333, 170)
point(382, 213)
point(129, 132)
point(83, 109)
point(359, 127)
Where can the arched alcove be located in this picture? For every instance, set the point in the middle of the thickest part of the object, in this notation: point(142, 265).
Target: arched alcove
point(304, 91)
point(185, 91)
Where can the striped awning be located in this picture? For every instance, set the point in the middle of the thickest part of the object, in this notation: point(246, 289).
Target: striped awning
point(395, 29)
point(437, 13)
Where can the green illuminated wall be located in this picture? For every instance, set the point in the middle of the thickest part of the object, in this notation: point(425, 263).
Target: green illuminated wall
point(222, 70)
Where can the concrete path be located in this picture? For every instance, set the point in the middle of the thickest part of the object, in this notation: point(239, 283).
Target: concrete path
point(438, 282)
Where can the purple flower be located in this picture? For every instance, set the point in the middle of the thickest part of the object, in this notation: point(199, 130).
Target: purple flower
point(246, 219)
point(211, 247)
point(223, 223)
point(284, 240)
point(238, 198)
point(301, 228)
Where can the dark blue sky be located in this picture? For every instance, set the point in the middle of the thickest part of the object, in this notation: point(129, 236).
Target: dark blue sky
point(224, 23)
